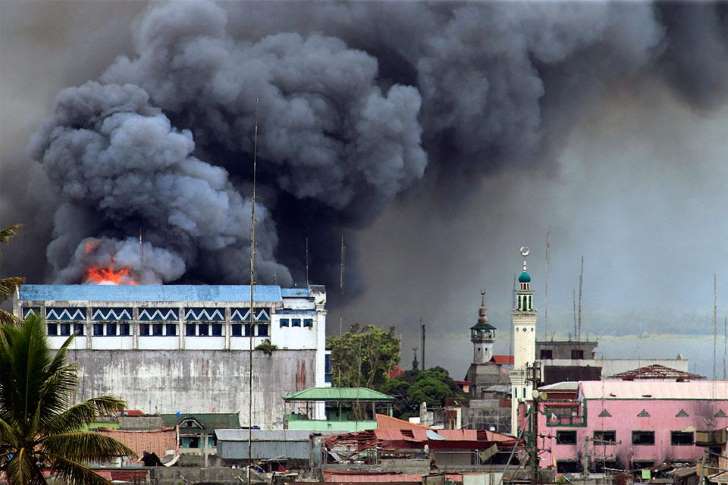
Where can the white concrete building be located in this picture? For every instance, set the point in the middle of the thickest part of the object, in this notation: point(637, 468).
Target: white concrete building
point(524, 342)
point(184, 348)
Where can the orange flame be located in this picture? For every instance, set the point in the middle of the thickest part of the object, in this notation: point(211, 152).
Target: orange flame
point(109, 276)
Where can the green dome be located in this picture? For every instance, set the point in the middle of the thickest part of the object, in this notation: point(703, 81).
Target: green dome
point(524, 277)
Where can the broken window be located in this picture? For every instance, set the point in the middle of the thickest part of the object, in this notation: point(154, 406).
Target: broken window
point(682, 438)
point(643, 437)
point(605, 437)
point(547, 354)
point(566, 437)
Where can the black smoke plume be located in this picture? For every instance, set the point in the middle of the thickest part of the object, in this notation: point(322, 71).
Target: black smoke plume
point(356, 102)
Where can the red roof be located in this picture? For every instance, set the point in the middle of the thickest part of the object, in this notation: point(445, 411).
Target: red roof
point(140, 441)
point(395, 372)
point(372, 477)
point(388, 422)
point(503, 359)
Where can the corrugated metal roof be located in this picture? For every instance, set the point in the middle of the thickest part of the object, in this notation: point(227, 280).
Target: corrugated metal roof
point(262, 435)
point(338, 394)
point(371, 477)
point(157, 293)
point(659, 389)
point(210, 421)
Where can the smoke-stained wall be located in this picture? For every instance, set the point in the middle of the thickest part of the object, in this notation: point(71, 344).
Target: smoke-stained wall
point(196, 381)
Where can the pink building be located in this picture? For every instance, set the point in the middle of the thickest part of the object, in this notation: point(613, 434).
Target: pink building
point(627, 424)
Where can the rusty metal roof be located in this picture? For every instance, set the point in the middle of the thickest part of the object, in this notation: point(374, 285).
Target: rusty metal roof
point(656, 371)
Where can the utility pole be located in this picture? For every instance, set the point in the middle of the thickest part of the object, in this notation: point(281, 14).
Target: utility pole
point(533, 375)
point(251, 311)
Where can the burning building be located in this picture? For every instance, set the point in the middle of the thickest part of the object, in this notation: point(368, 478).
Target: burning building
point(184, 348)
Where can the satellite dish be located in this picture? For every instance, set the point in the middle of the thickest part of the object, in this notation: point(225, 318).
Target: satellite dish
point(525, 251)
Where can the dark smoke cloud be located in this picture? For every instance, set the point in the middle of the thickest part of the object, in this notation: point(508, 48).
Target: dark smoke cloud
point(357, 102)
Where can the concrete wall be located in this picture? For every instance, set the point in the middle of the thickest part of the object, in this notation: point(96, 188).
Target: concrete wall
point(197, 381)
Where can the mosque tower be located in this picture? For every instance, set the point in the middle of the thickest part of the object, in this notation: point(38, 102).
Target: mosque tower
point(482, 334)
point(524, 341)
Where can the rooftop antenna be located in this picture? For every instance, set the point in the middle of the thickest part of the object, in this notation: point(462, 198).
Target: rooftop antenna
point(141, 250)
point(307, 283)
point(725, 347)
point(573, 310)
point(423, 335)
point(251, 312)
point(581, 284)
point(546, 282)
point(715, 325)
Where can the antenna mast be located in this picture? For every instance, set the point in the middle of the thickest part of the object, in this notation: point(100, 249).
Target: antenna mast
point(251, 311)
point(715, 325)
point(422, 326)
point(141, 251)
point(341, 277)
point(573, 310)
point(307, 283)
point(546, 289)
point(581, 284)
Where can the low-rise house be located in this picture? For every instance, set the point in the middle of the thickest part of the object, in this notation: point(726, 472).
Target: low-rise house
point(289, 447)
point(344, 409)
point(628, 424)
point(196, 432)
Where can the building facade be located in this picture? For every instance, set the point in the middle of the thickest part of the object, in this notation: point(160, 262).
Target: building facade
point(184, 348)
point(628, 424)
point(488, 375)
point(524, 342)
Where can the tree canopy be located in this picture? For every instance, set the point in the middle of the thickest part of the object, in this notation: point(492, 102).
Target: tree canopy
point(363, 356)
point(433, 386)
point(40, 427)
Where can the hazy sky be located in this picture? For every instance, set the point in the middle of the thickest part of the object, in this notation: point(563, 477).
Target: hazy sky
point(637, 188)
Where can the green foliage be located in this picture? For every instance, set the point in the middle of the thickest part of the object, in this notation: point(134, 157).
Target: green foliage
point(8, 284)
point(39, 426)
point(433, 386)
point(267, 347)
point(363, 356)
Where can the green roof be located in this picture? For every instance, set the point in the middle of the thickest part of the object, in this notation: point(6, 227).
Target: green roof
point(524, 277)
point(210, 421)
point(338, 394)
point(483, 326)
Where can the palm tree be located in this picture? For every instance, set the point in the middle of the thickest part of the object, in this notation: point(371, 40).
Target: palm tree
point(40, 429)
point(8, 285)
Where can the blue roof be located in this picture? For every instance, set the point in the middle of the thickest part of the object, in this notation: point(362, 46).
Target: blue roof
point(156, 293)
point(295, 292)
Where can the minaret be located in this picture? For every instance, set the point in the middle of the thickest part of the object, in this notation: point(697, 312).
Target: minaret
point(524, 341)
point(482, 334)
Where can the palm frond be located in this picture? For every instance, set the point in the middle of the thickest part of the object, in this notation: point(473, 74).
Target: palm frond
point(7, 318)
point(75, 473)
point(85, 446)
point(8, 285)
point(7, 233)
point(82, 414)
